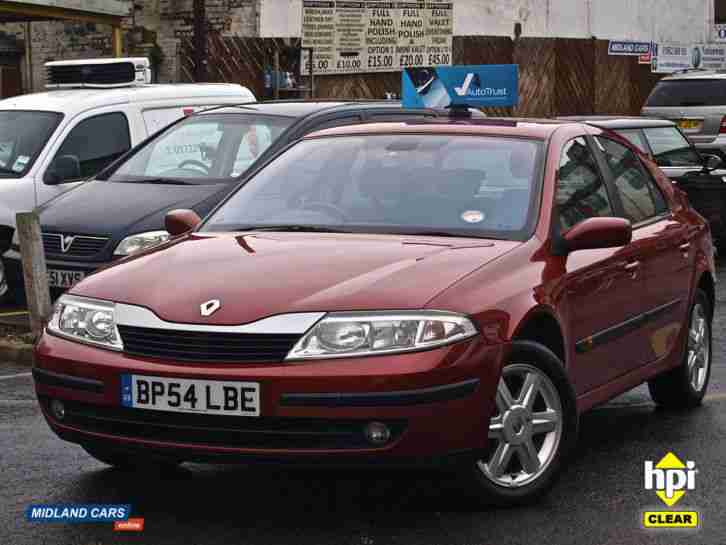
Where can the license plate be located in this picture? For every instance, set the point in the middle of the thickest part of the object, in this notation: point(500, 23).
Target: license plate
point(190, 395)
point(690, 124)
point(64, 279)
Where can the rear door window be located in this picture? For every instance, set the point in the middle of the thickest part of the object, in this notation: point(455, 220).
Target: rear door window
point(640, 197)
point(635, 137)
point(688, 92)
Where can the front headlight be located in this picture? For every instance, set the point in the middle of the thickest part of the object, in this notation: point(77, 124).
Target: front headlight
point(349, 334)
point(141, 241)
point(86, 320)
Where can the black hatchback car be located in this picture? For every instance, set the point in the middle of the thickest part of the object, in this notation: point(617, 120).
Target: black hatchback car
point(194, 163)
point(701, 176)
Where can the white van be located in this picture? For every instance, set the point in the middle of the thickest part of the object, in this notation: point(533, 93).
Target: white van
point(95, 110)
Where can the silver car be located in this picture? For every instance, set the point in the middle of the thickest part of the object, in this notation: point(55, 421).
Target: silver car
point(696, 101)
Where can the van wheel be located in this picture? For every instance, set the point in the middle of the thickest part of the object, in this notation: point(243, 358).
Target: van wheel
point(685, 386)
point(532, 432)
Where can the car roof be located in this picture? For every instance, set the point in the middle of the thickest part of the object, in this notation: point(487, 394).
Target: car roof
point(619, 122)
point(302, 108)
point(696, 73)
point(516, 127)
point(74, 100)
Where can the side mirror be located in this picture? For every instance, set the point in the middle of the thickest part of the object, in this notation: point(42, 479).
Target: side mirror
point(711, 162)
point(63, 168)
point(178, 222)
point(594, 233)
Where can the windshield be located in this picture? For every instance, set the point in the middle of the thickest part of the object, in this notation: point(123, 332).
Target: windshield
point(688, 92)
point(23, 135)
point(411, 184)
point(203, 149)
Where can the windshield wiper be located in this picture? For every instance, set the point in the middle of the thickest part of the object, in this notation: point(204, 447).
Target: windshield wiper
point(157, 181)
point(289, 228)
point(5, 170)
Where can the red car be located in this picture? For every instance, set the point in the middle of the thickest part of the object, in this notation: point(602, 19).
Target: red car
point(449, 292)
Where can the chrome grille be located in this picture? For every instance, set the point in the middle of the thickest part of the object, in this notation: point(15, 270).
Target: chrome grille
point(75, 246)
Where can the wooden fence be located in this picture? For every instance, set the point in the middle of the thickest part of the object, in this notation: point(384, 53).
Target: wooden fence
point(557, 76)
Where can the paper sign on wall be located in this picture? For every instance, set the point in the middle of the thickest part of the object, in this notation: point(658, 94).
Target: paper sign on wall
point(375, 36)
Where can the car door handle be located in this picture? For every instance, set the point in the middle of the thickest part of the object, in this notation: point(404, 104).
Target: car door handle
point(685, 247)
point(632, 267)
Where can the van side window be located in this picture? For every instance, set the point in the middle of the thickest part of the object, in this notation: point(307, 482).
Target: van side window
point(96, 142)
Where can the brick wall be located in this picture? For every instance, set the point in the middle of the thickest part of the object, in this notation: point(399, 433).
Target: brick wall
point(154, 24)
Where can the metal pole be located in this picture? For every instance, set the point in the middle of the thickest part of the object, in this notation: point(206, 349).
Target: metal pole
point(118, 43)
point(312, 75)
point(276, 75)
point(199, 41)
point(28, 59)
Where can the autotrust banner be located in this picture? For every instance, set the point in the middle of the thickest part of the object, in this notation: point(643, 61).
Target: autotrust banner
point(374, 36)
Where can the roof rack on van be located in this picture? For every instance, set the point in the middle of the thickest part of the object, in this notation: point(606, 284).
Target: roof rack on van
point(98, 73)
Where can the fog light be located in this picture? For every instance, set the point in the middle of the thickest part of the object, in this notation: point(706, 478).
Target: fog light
point(377, 433)
point(58, 409)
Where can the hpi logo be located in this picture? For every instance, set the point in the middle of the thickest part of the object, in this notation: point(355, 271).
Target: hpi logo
point(670, 478)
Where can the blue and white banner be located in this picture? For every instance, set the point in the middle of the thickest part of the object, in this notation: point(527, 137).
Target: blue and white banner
point(77, 512)
point(476, 86)
point(632, 49)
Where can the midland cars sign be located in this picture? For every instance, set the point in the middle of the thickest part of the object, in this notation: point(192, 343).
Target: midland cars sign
point(373, 36)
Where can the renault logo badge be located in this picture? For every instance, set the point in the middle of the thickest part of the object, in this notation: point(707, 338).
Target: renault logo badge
point(210, 307)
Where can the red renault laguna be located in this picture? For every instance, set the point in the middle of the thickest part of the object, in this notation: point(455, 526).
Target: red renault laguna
point(395, 293)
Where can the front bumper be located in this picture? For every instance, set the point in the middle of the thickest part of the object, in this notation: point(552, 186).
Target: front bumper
point(437, 404)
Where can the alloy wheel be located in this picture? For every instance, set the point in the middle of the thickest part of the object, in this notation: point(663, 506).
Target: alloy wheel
point(699, 348)
point(525, 432)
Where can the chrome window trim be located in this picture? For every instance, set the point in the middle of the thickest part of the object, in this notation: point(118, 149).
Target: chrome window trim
point(293, 323)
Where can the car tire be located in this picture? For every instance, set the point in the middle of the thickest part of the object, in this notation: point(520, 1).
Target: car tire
point(684, 387)
point(524, 478)
point(130, 462)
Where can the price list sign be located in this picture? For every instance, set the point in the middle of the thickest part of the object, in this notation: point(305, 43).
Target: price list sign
point(375, 36)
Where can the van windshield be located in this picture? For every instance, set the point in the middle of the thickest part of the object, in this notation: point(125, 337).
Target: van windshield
point(204, 149)
point(23, 134)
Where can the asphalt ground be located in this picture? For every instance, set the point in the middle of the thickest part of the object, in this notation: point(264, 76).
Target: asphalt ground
point(599, 498)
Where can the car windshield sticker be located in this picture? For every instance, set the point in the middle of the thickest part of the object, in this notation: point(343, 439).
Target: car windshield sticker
point(20, 163)
point(473, 216)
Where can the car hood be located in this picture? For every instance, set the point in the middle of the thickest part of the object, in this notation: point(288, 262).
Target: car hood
point(118, 209)
point(256, 275)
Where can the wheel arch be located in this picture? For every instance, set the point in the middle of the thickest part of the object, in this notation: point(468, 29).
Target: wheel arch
point(707, 284)
point(541, 326)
